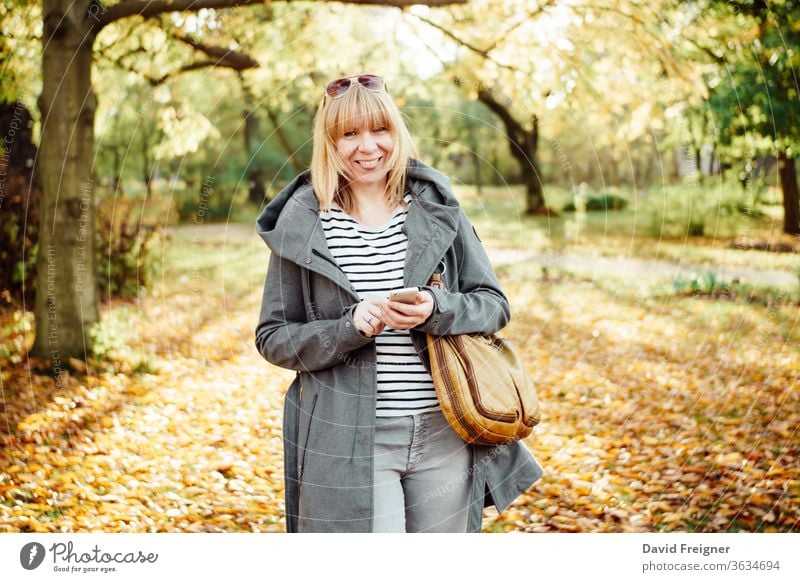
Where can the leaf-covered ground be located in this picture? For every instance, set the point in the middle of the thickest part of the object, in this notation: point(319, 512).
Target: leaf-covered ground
point(659, 412)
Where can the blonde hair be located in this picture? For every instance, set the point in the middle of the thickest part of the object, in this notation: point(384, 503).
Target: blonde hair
point(337, 116)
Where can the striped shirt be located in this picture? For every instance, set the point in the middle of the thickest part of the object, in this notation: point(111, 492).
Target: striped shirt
point(373, 259)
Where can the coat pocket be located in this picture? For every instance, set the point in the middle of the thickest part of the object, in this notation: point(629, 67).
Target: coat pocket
point(302, 456)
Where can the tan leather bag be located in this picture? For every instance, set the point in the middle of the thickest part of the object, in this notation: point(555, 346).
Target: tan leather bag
point(484, 390)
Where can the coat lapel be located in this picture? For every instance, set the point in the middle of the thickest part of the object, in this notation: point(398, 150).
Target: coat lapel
point(316, 256)
point(430, 228)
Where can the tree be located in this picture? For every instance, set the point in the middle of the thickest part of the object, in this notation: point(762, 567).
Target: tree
point(550, 69)
point(523, 141)
point(754, 95)
point(67, 295)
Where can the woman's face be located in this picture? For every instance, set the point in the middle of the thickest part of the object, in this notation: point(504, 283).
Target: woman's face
point(365, 151)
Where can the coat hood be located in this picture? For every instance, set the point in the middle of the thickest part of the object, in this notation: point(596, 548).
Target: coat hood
point(287, 223)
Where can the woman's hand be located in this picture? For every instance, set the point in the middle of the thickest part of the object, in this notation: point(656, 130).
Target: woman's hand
point(398, 315)
point(368, 317)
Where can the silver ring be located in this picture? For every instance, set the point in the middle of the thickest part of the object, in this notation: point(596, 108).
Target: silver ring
point(369, 320)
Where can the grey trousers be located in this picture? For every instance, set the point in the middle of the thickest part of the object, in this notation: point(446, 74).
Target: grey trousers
point(422, 480)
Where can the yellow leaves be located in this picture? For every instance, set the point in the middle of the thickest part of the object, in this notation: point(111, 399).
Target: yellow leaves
point(691, 477)
point(734, 460)
point(136, 389)
point(564, 523)
point(583, 487)
point(654, 424)
point(196, 447)
point(675, 431)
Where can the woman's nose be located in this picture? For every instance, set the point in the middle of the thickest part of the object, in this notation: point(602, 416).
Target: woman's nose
point(367, 142)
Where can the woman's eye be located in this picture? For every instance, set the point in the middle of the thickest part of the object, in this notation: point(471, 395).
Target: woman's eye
point(381, 128)
point(349, 133)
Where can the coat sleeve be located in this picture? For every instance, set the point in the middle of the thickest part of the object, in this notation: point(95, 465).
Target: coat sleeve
point(478, 305)
point(286, 339)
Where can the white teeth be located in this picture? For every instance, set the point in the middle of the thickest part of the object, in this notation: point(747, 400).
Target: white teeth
point(369, 164)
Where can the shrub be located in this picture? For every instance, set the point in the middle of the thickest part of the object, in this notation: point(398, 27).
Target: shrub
point(604, 202)
point(111, 343)
point(697, 210)
point(704, 284)
point(19, 236)
point(709, 286)
point(209, 205)
point(128, 246)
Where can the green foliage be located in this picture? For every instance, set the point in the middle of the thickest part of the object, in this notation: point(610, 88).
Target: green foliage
point(20, 197)
point(697, 210)
point(706, 283)
point(111, 342)
point(754, 88)
point(14, 331)
point(20, 52)
point(108, 335)
point(709, 285)
point(211, 204)
point(19, 240)
point(128, 248)
point(602, 202)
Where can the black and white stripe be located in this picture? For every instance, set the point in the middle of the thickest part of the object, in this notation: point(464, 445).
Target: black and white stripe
point(373, 259)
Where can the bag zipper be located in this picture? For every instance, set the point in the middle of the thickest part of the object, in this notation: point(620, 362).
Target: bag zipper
point(458, 343)
point(448, 383)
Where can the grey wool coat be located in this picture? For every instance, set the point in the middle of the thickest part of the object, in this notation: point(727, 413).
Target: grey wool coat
point(306, 324)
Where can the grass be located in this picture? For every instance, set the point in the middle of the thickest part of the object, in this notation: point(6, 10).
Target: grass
point(498, 216)
point(660, 214)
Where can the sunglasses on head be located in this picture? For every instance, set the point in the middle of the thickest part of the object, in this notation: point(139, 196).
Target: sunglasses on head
point(339, 87)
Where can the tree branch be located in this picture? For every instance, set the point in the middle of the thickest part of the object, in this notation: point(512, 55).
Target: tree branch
point(228, 58)
point(148, 8)
point(527, 18)
point(483, 53)
point(514, 129)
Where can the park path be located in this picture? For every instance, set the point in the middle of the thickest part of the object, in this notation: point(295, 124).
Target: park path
point(633, 268)
point(579, 263)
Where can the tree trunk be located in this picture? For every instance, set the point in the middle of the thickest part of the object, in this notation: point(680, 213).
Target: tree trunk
point(256, 192)
point(148, 163)
point(524, 144)
point(698, 163)
point(118, 161)
point(283, 139)
point(534, 196)
point(714, 165)
point(533, 175)
point(474, 157)
point(66, 298)
point(791, 200)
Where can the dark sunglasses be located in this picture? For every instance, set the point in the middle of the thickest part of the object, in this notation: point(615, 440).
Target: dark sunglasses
point(339, 87)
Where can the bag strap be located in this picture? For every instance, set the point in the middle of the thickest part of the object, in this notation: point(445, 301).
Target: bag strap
point(436, 281)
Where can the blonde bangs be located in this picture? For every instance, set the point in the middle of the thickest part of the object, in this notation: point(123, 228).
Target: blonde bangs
point(334, 118)
point(354, 104)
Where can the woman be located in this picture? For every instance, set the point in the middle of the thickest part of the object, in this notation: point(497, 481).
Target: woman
point(366, 446)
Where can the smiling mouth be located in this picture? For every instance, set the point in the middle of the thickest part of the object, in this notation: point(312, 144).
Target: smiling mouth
point(369, 164)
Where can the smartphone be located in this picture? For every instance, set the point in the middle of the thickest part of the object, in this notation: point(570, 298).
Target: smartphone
point(407, 295)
